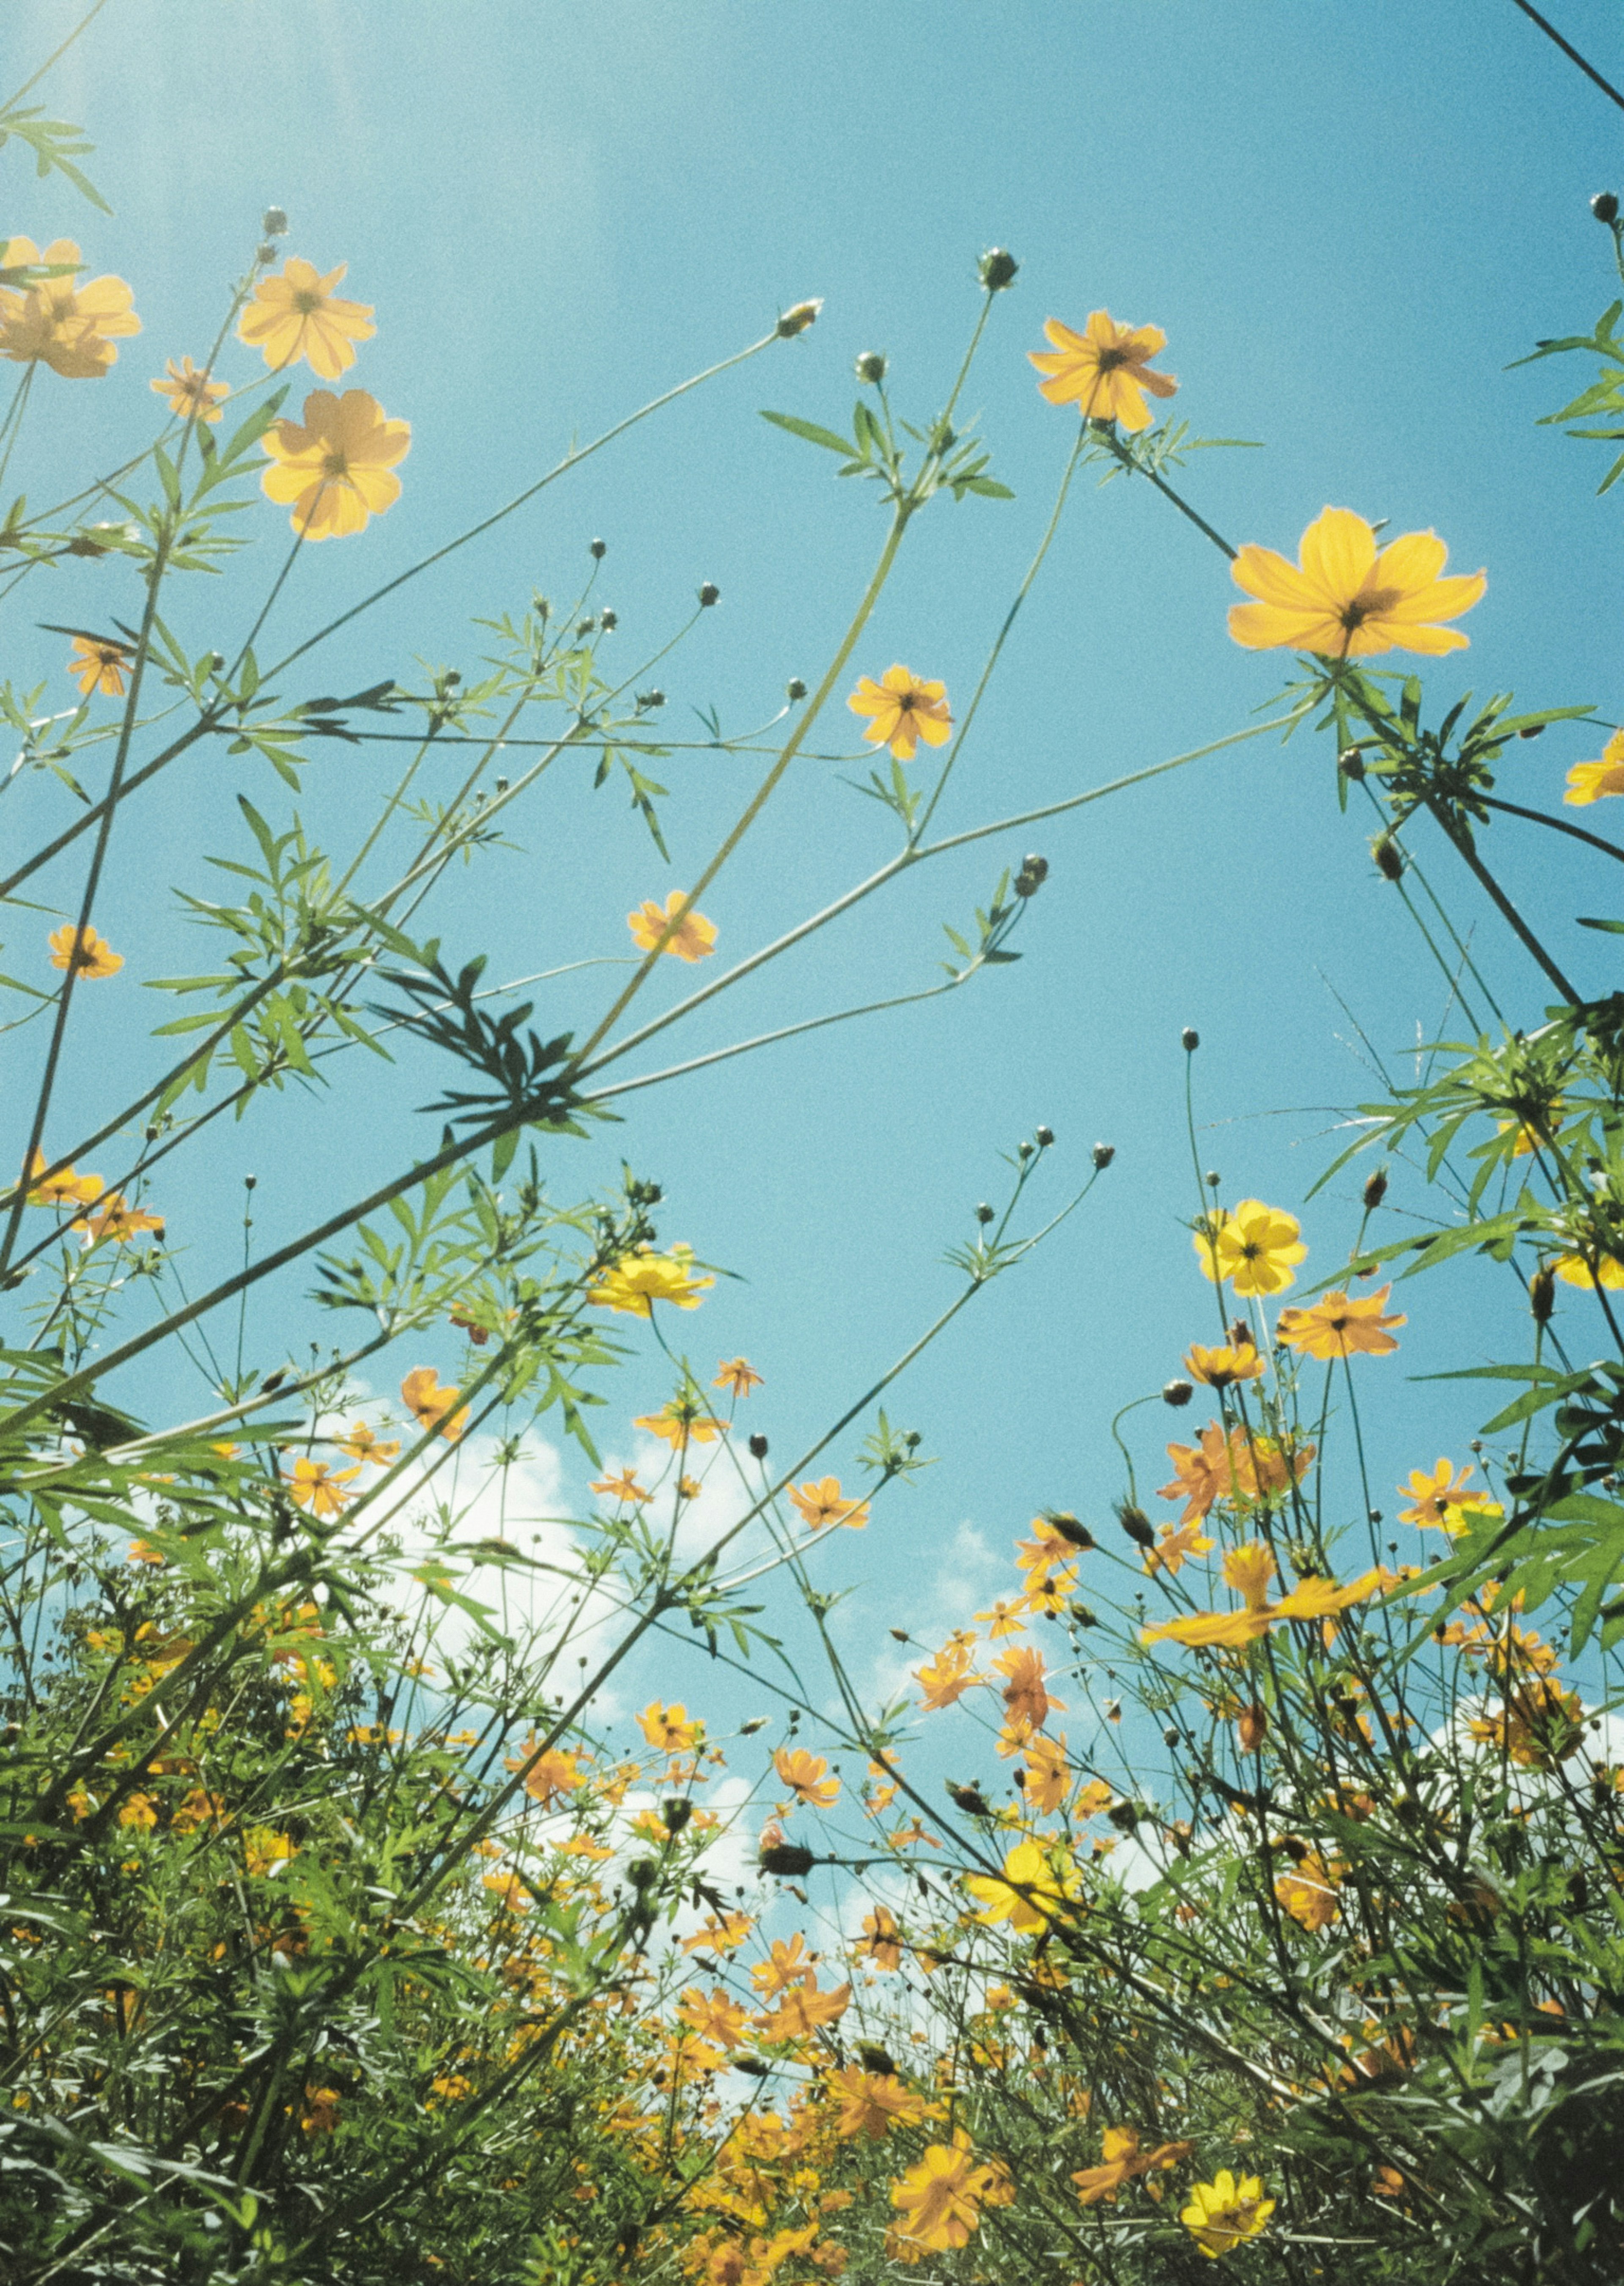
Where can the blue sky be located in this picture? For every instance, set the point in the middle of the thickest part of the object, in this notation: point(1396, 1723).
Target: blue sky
point(1348, 222)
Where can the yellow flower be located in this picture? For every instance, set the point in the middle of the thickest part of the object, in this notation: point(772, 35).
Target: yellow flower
point(1572, 1269)
point(334, 468)
point(192, 395)
point(823, 1503)
point(903, 709)
point(432, 1406)
point(1038, 1880)
point(1309, 1894)
point(97, 662)
point(1255, 1249)
point(315, 1486)
point(84, 951)
point(1223, 2213)
point(941, 2198)
point(737, 1376)
point(1588, 782)
point(872, 2103)
point(668, 1728)
point(64, 1189)
point(1219, 1369)
point(692, 939)
point(621, 1487)
point(881, 1939)
point(947, 1677)
point(298, 315)
point(1177, 1542)
point(117, 1219)
point(680, 1423)
point(636, 1281)
point(1103, 370)
point(360, 1443)
point(1433, 1496)
point(1347, 601)
point(1249, 1571)
point(714, 2017)
point(807, 1777)
point(1338, 1328)
point(60, 323)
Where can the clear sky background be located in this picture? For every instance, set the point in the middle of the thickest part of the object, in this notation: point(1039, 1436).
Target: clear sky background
point(1348, 220)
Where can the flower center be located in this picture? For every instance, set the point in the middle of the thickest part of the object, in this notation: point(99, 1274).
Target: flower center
point(1109, 360)
point(1369, 603)
point(334, 464)
point(307, 302)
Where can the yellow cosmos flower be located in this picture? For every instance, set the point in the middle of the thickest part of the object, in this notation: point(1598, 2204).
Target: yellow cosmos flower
point(692, 939)
point(1248, 1570)
point(1103, 370)
point(872, 2103)
point(902, 710)
point(1255, 1250)
point(97, 662)
point(83, 951)
point(1432, 1495)
point(1573, 1269)
point(1309, 1892)
point(633, 1284)
point(64, 1189)
point(1338, 1328)
point(737, 1375)
point(1038, 1880)
point(316, 1486)
point(1219, 1369)
point(941, 2198)
point(432, 1406)
point(298, 315)
point(680, 1423)
point(824, 1502)
point(807, 1777)
point(1223, 2213)
point(334, 468)
point(63, 324)
point(116, 1219)
point(1588, 782)
point(189, 391)
point(668, 1728)
point(1346, 600)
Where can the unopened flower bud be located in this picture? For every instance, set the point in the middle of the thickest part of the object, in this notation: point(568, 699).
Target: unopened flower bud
point(642, 1872)
point(651, 698)
point(609, 621)
point(274, 223)
point(796, 320)
point(1252, 1727)
point(586, 626)
point(1138, 1525)
point(1171, 1736)
point(1176, 1392)
point(1075, 1533)
point(264, 252)
point(1213, 1179)
point(996, 269)
point(502, 784)
point(708, 594)
point(1389, 857)
point(758, 1447)
point(1604, 207)
point(786, 1857)
point(1043, 1137)
point(598, 550)
point(676, 1814)
point(985, 1214)
point(1023, 1149)
point(1103, 1154)
point(794, 691)
point(1375, 1189)
point(1351, 763)
point(1084, 1618)
point(1034, 872)
point(1543, 1296)
point(870, 367)
point(1191, 1039)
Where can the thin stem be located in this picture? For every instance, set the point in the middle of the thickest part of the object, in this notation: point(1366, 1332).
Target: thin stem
point(1556, 825)
point(1497, 896)
point(28, 85)
point(1122, 453)
point(1571, 52)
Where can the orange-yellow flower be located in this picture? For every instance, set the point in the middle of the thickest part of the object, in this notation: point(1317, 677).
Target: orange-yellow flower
point(1048, 1774)
point(314, 1486)
point(98, 664)
point(802, 2010)
point(1249, 1571)
point(807, 1777)
point(550, 1775)
point(872, 2103)
point(189, 391)
point(360, 1443)
point(1347, 601)
point(668, 1728)
point(1025, 1695)
point(693, 938)
point(83, 951)
point(637, 1280)
point(738, 1376)
point(60, 323)
point(1241, 1467)
point(788, 1963)
point(1338, 1328)
point(432, 1406)
point(1588, 782)
point(680, 1423)
point(1255, 1249)
point(1175, 1543)
point(1220, 1368)
point(1432, 1495)
point(1223, 2213)
point(623, 1485)
point(902, 710)
point(334, 468)
point(116, 1219)
point(297, 315)
point(945, 1679)
point(942, 2199)
point(1309, 1894)
point(1123, 2161)
point(823, 1503)
point(64, 1189)
point(714, 2016)
point(881, 1940)
point(1104, 370)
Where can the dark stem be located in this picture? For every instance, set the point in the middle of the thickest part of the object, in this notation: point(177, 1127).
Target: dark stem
point(1508, 910)
point(1556, 825)
point(1572, 53)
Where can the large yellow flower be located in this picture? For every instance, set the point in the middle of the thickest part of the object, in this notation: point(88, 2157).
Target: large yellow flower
point(633, 1284)
point(298, 315)
point(1038, 1880)
point(1223, 2213)
point(941, 2198)
point(63, 324)
point(902, 710)
point(1255, 1250)
point(1345, 601)
point(1103, 370)
point(333, 468)
point(1588, 782)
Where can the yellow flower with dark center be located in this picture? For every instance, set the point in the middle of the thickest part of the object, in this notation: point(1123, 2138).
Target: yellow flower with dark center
point(824, 1502)
point(1255, 1250)
point(1223, 2213)
point(737, 1375)
point(668, 1728)
point(298, 315)
point(1104, 371)
point(96, 664)
point(316, 1486)
point(1220, 1368)
point(63, 1188)
point(334, 468)
point(83, 951)
point(432, 1406)
point(692, 939)
point(116, 1219)
point(60, 323)
point(636, 1281)
point(1345, 600)
point(1433, 1496)
point(902, 710)
point(1339, 1328)
point(1038, 1881)
point(1588, 782)
point(1309, 1892)
point(872, 2103)
point(680, 1423)
point(360, 1442)
point(191, 394)
point(941, 2198)
point(807, 1777)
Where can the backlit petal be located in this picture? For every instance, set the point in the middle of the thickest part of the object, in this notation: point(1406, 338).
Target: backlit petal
point(1338, 552)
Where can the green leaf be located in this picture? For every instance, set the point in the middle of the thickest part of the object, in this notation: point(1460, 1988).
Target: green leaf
point(813, 434)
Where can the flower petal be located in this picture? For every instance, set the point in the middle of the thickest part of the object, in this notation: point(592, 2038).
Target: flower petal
point(1338, 552)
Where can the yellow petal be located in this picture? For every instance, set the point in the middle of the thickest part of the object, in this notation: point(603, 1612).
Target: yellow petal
point(1338, 552)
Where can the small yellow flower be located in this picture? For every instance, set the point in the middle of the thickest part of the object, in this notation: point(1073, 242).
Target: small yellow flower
point(191, 394)
point(334, 468)
point(64, 1189)
point(1432, 1495)
point(678, 1423)
point(116, 1219)
point(60, 323)
point(1255, 1250)
point(1588, 782)
point(636, 1281)
point(1572, 1269)
point(1104, 370)
point(669, 1728)
point(315, 1486)
point(298, 315)
point(1223, 2213)
point(1338, 1328)
point(432, 1406)
point(83, 951)
point(1219, 1369)
point(1346, 600)
point(738, 1376)
point(903, 709)
point(98, 664)
point(824, 1502)
point(693, 938)
point(807, 1777)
